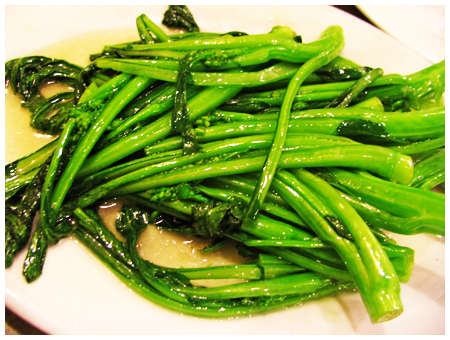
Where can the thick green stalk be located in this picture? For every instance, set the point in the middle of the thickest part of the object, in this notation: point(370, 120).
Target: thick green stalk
point(48, 215)
point(355, 124)
point(144, 31)
point(315, 265)
point(168, 144)
point(350, 95)
point(240, 271)
point(213, 149)
point(202, 103)
point(256, 271)
point(291, 284)
point(384, 220)
point(270, 229)
point(399, 200)
point(87, 143)
point(283, 70)
point(429, 171)
point(304, 51)
point(294, 140)
point(301, 101)
point(272, 160)
point(336, 86)
point(252, 56)
point(419, 147)
point(155, 29)
point(371, 158)
point(372, 270)
point(160, 104)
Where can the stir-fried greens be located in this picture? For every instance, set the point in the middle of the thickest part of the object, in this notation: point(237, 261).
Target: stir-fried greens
point(298, 156)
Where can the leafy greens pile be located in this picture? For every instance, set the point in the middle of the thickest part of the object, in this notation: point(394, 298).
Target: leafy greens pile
point(300, 157)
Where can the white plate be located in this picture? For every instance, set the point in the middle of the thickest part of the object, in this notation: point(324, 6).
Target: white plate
point(77, 295)
point(421, 27)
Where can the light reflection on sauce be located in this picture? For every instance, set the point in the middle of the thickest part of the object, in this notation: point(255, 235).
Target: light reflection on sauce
point(155, 245)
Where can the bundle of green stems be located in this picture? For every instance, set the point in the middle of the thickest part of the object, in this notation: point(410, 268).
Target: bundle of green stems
point(300, 158)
